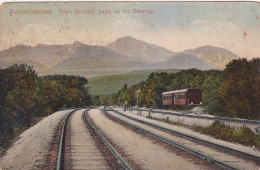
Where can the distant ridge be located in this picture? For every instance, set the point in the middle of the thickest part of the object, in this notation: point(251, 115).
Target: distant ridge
point(214, 56)
point(41, 56)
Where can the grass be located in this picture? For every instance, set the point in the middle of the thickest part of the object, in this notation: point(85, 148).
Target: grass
point(242, 135)
point(6, 142)
point(107, 85)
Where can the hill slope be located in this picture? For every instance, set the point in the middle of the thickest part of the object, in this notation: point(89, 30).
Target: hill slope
point(214, 56)
point(107, 85)
point(40, 56)
point(183, 61)
point(86, 57)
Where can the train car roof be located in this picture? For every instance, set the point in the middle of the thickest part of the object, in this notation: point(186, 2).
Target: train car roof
point(175, 91)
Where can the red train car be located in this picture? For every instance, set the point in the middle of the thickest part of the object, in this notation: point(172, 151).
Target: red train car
point(181, 97)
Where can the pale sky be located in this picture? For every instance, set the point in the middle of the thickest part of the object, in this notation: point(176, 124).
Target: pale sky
point(176, 26)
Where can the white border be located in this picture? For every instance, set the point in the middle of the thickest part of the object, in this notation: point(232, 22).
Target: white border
point(3, 1)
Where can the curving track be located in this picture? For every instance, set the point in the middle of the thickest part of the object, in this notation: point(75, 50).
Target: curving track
point(81, 147)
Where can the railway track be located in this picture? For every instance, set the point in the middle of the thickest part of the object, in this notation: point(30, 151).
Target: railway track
point(253, 122)
point(186, 147)
point(82, 146)
point(250, 156)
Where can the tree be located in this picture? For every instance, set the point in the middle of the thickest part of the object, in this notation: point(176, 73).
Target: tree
point(238, 92)
point(19, 92)
point(210, 96)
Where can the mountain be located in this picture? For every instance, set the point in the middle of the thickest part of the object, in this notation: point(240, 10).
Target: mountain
point(214, 56)
point(132, 47)
point(125, 54)
point(41, 56)
point(183, 61)
point(87, 57)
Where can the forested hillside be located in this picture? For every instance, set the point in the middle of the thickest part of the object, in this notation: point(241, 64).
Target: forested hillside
point(234, 92)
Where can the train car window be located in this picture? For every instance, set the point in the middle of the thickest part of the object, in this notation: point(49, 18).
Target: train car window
point(179, 97)
point(167, 98)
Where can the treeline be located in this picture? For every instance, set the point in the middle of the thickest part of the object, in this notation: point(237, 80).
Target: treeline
point(233, 92)
point(25, 96)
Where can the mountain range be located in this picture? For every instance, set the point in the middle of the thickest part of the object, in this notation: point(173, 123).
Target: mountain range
point(124, 54)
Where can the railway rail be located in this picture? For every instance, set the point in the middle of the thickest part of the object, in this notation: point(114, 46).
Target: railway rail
point(243, 121)
point(123, 163)
point(188, 119)
point(60, 157)
point(194, 152)
point(250, 156)
point(61, 153)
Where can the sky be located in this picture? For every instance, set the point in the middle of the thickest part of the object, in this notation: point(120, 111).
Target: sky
point(176, 26)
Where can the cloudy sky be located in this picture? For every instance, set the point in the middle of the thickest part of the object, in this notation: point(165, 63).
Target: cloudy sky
point(176, 26)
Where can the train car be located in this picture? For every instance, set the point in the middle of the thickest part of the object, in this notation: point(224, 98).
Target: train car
point(182, 97)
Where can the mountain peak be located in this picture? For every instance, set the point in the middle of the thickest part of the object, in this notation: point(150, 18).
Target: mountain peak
point(127, 37)
point(133, 47)
point(77, 43)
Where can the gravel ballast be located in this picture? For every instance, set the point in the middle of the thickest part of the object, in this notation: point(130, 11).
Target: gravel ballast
point(147, 153)
point(184, 130)
point(233, 160)
point(29, 151)
point(84, 152)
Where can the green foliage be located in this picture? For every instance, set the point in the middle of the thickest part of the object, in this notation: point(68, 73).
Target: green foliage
point(151, 90)
point(124, 87)
point(66, 91)
point(192, 78)
point(242, 135)
point(24, 96)
point(18, 92)
point(104, 100)
point(210, 98)
point(95, 101)
point(234, 92)
point(150, 95)
point(239, 92)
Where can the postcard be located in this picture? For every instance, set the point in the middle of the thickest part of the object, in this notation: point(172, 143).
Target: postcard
point(129, 85)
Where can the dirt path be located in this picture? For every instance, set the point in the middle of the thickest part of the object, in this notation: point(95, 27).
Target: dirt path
point(29, 151)
point(148, 153)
